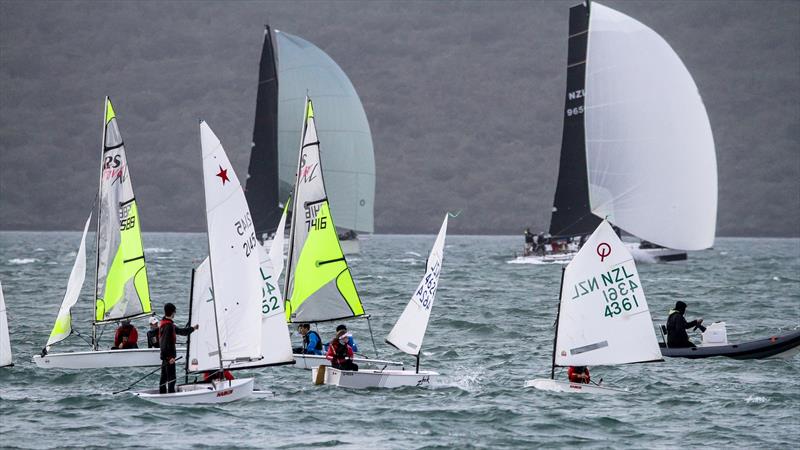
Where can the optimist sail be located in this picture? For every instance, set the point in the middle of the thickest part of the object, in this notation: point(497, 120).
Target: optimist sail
point(63, 326)
point(603, 316)
point(5, 338)
point(319, 286)
point(409, 330)
point(203, 344)
point(233, 252)
point(122, 289)
point(650, 156)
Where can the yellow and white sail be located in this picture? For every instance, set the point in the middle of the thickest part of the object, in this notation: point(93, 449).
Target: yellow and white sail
point(319, 286)
point(122, 288)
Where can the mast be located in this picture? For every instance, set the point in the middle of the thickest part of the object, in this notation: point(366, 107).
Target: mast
point(97, 230)
point(294, 208)
point(555, 335)
point(189, 337)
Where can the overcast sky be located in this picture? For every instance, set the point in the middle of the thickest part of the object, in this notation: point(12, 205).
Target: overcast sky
point(464, 100)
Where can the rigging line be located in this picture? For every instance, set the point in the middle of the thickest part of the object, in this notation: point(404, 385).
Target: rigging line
point(372, 336)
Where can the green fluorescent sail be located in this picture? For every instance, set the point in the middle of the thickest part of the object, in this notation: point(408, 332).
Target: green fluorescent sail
point(122, 288)
point(322, 269)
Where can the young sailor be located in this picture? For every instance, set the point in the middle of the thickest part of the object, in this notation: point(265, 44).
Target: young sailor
point(312, 343)
point(350, 340)
point(677, 326)
point(340, 354)
point(126, 336)
point(167, 336)
point(152, 333)
point(578, 374)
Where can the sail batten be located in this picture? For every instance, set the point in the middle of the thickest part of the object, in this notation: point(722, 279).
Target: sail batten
point(122, 289)
point(319, 286)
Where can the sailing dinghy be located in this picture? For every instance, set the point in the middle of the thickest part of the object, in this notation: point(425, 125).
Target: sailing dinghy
point(228, 311)
point(602, 316)
point(121, 288)
point(6, 359)
point(406, 336)
point(318, 284)
point(637, 146)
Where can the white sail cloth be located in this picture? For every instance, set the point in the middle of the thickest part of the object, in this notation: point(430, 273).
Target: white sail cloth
point(63, 325)
point(5, 337)
point(409, 331)
point(650, 153)
point(233, 251)
point(603, 316)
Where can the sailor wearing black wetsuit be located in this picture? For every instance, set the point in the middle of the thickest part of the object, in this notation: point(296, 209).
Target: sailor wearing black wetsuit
point(677, 326)
point(167, 335)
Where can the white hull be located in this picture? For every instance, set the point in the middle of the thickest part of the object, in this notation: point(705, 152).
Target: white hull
point(351, 246)
point(199, 393)
point(546, 384)
point(549, 258)
point(649, 255)
point(138, 357)
point(374, 378)
point(314, 361)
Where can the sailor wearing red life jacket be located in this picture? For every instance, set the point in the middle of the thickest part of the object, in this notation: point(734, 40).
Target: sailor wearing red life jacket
point(578, 374)
point(210, 375)
point(340, 354)
point(126, 336)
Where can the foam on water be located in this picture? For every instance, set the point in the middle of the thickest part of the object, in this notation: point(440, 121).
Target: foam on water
point(21, 261)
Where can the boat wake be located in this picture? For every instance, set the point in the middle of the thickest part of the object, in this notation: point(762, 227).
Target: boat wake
point(21, 261)
point(157, 250)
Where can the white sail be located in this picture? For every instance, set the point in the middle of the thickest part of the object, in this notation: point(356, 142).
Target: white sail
point(409, 330)
point(5, 338)
point(203, 344)
point(603, 316)
point(233, 251)
point(63, 326)
point(276, 249)
point(304, 69)
point(650, 152)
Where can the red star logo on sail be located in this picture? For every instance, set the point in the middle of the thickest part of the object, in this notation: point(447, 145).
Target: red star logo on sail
point(223, 174)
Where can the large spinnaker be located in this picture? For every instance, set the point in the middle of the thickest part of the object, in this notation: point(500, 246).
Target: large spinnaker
point(603, 317)
point(63, 326)
point(122, 288)
point(261, 188)
point(6, 358)
point(650, 152)
point(409, 330)
point(319, 286)
point(304, 69)
point(233, 251)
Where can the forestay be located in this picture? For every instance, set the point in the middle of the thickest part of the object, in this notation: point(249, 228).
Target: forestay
point(650, 153)
point(409, 331)
point(319, 286)
point(5, 339)
point(233, 252)
point(350, 170)
point(122, 289)
point(63, 326)
point(603, 316)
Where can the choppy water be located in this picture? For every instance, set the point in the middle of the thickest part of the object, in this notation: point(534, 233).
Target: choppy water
point(490, 331)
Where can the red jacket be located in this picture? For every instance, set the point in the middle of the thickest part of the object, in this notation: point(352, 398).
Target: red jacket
point(574, 375)
point(128, 331)
point(338, 353)
point(226, 374)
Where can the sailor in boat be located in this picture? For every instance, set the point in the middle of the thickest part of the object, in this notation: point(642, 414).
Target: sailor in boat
point(340, 353)
point(677, 326)
point(152, 333)
point(578, 374)
point(126, 336)
point(167, 335)
point(213, 375)
point(530, 242)
point(312, 343)
point(350, 341)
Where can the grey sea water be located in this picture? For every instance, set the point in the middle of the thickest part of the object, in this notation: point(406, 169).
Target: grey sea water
point(491, 329)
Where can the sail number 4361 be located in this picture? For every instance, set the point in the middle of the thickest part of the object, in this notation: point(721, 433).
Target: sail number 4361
point(620, 298)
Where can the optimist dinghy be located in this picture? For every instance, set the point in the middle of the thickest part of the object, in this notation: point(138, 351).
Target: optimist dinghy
point(121, 287)
point(319, 286)
point(228, 311)
point(602, 316)
point(406, 336)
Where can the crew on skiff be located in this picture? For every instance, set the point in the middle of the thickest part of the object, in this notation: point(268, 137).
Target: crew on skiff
point(152, 333)
point(350, 340)
point(126, 336)
point(677, 326)
point(312, 343)
point(340, 353)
